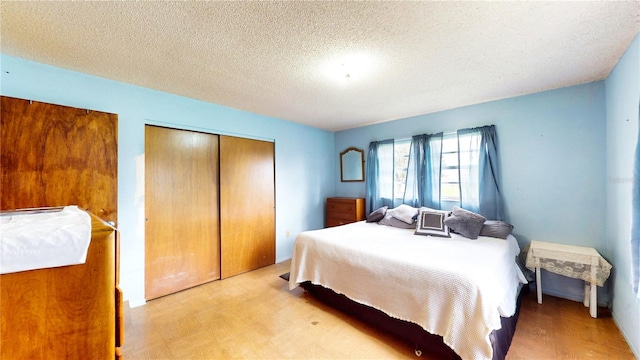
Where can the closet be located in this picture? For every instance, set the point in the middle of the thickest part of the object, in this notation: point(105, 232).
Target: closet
point(209, 205)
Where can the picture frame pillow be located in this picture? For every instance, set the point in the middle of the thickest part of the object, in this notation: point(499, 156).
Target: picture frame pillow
point(415, 217)
point(432, 223)
point(465, 222)
point(377, 215)
point(496, 229)
point(404, 213)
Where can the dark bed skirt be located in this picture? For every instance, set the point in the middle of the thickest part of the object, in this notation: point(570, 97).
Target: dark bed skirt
point(424, 341)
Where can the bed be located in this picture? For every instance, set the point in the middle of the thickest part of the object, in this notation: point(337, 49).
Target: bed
point(455, 291)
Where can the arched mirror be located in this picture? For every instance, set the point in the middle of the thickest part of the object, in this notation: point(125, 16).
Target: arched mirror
point(352, 165)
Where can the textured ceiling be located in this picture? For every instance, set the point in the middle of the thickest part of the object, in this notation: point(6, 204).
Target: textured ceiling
point(290, 60)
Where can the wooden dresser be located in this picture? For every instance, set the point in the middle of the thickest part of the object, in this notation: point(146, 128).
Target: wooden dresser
point(344, 210)
point(68, 312)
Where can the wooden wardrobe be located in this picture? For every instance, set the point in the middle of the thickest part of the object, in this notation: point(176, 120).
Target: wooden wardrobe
point(52, 156)
point(209, 205)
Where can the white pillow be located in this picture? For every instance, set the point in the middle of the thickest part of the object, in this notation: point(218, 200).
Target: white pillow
point(405, 213)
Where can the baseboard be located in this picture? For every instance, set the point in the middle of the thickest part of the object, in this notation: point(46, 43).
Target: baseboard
point(634, 350)
point(532, 287)
point(136, 302)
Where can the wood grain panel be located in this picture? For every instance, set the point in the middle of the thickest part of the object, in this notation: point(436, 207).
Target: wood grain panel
point(56, 155)
point(247, 204)
point(66, 312)
point(182, 246)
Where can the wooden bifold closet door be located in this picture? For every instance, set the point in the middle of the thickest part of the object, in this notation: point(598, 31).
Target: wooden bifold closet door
point(247, 204)
point(209, 203)
point(182, 246)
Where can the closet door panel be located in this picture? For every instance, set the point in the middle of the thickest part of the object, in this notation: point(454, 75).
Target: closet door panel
point(182, 246)
point(56, 155)
point(247, 205)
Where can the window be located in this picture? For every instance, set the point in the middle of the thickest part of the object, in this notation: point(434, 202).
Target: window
point(394, 159)
point(400, 164)
point(459, 158)
point(450, 182)
point(449, 176)
point(440, 171)
point(455, 161)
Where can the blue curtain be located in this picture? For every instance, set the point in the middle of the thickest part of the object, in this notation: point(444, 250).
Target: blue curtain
point(478, 171)
point(477, 166)
point(635, 220)
point(423, 171)
point(379, 176)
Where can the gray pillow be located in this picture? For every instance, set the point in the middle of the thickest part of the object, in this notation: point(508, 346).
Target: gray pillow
point(465, 222)
point(496, 229)
point(389, 220)
point(377, 215)
point(405, 213)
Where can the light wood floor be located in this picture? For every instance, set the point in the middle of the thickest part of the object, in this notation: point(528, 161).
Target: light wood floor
point(255, 316)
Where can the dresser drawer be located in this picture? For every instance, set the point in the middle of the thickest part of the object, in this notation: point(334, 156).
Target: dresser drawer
point(342, 211)
point(336, 221)
point(351, 217)
point(341, 207)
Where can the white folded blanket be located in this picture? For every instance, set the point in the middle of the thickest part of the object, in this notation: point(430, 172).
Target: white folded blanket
point(30, 241)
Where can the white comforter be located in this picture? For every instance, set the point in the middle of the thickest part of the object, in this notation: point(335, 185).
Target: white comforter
point(453, 287)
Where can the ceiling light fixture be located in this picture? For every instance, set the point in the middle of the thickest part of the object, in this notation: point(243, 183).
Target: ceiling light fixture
point(348, 69)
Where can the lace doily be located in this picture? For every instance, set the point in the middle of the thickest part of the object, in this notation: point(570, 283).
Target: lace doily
point(572, 261)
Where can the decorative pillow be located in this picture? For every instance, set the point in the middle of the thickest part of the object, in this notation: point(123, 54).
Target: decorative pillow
point(389, 220)
point(465, 222)
point(496, 229)
point(377, 215)
point(432, 222)
point(405, 213)
point(415, 217)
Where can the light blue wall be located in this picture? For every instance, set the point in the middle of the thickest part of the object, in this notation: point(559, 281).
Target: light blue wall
point(552, 156)
point(299, 150)
point(622, 99)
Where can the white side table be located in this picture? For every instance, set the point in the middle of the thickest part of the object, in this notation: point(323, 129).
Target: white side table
point(577, 262)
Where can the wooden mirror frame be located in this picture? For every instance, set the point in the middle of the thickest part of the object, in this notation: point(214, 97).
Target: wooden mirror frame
point(352, 165)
